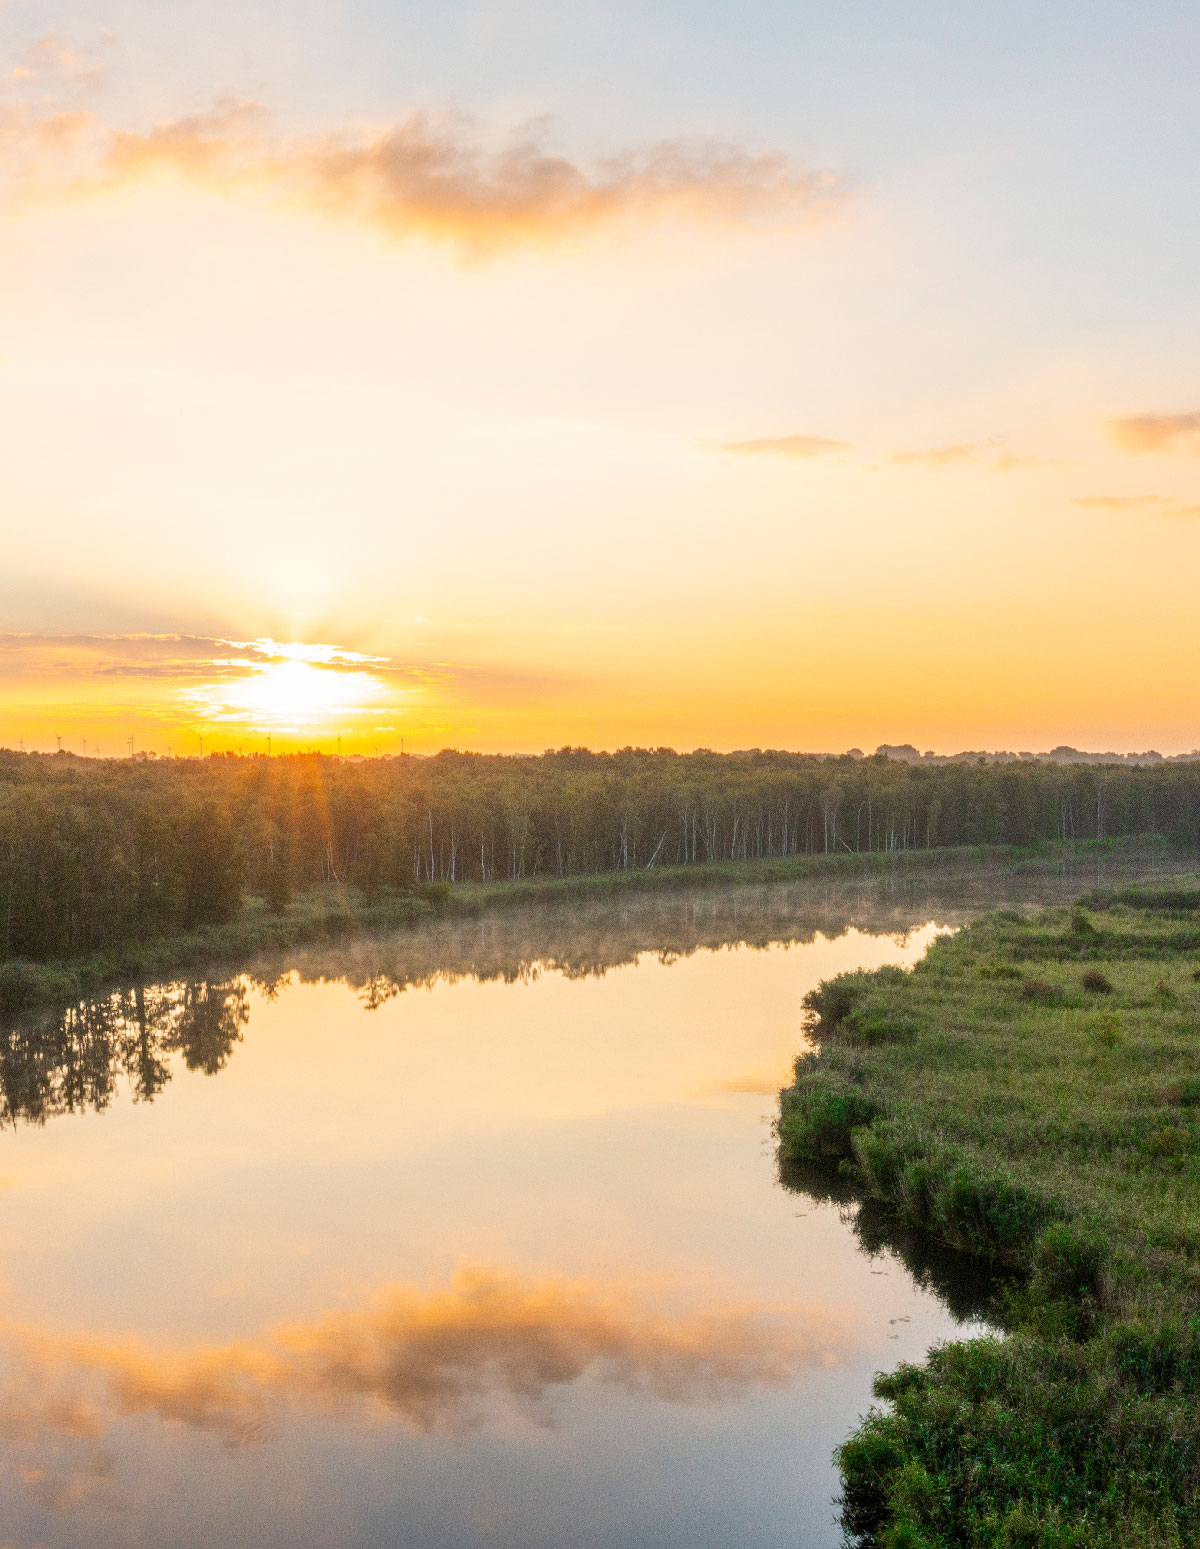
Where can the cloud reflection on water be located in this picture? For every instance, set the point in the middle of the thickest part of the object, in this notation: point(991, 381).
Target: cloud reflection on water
point(444, 1360)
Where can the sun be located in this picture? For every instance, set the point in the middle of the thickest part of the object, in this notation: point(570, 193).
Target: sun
point(290, 693)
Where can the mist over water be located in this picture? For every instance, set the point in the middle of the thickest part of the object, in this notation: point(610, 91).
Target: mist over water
point(471, 1235)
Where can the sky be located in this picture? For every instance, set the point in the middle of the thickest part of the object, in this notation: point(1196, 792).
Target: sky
point(504, 375)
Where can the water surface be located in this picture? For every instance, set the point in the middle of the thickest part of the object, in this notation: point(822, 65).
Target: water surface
point(466, 1237)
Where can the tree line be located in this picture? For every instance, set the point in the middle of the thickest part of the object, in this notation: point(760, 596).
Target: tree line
point(95, 853)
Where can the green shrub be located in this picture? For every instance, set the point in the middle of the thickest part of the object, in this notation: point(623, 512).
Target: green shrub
point(876, 1022)
point(1068, 1262)
point(990, 1216)
point(869, 1461)
point(818, 1115)
point(833, 1000)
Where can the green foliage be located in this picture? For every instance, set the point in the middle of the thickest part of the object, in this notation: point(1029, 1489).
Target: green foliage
point(1062, 1141)
point(97, 854)
point(820, 1114)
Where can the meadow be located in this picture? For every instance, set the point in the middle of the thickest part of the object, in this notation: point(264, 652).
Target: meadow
point(1030, 1093)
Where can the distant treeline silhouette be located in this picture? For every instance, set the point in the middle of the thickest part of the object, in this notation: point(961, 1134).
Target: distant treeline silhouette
point(97, 853)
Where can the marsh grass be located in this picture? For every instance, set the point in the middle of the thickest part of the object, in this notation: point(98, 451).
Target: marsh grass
point(1020, 1121)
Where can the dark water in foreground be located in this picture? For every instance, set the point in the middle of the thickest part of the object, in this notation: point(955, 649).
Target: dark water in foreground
point(470, 1238)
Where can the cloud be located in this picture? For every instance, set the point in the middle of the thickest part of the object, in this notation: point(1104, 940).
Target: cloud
point(787, 446)
point(53, 61)
point(181, 657)
point(434, 175)
point(434, 1360)
point(983, 453)
point(1165, 505)
point(1156, 432)
point(1120, 502)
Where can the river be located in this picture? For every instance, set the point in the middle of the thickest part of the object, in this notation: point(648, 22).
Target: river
point(469, 1236)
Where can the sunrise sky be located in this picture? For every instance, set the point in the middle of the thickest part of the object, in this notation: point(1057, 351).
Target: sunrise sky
point(503, 375)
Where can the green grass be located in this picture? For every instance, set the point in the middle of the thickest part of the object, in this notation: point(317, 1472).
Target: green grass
point(1031, 1093)
point(334, 913)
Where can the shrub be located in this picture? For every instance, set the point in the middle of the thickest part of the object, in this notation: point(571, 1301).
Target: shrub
point(1104, 1029)
point(882, 1154)
point(869, 1461)
point(1042, 990)
point(1068, 1262)
point(989, 1216)
point(818, 1114)
point(1097, 981)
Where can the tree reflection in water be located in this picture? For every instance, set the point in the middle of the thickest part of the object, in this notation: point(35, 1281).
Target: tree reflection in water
point(76, 1059)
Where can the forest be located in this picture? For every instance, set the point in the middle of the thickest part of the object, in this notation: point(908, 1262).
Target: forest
point(95, 853)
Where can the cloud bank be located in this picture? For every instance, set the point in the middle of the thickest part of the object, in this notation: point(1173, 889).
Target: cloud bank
point(1156, 432)
point(180, 658)
point(434, 175)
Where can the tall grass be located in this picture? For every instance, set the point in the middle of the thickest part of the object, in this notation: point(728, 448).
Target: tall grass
point(1031, 1093)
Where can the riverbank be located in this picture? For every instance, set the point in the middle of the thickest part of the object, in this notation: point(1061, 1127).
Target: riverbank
point(1031, 1093)
point(335, 913)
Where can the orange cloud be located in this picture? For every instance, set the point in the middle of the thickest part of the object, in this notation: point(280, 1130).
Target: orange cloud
point(1156, 432)
point(787, 446)
point(52, 59)
point(1166, 505)
point(431, 175)
point(982, 452)
point(435, 1360)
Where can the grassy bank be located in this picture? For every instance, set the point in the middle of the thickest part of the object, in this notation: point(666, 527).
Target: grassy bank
point(1031, 1093)
point(330, 914)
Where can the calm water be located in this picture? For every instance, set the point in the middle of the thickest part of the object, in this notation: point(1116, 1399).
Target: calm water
point(467, 1238)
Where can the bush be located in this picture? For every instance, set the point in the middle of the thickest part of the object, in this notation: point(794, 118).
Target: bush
point(1068, 1262)
point(1097, 982)
point(833, 1000)
point(989, 1215)
point(869, 1461)
point(1042, 990)
point(818, 1115)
